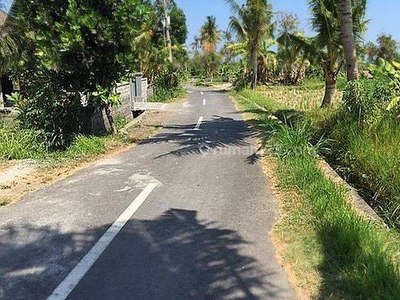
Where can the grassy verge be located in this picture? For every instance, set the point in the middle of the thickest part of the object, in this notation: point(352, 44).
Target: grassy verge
point(365, 154)
point(334, 252)
point(19, 144)
point(86, 147)
point(4, 201)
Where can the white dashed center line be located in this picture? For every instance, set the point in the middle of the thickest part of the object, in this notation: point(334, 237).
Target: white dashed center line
point(197, 127)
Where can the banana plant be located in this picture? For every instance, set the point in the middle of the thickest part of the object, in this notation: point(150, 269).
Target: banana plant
point(390, 70)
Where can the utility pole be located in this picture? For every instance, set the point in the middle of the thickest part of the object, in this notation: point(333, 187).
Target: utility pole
point(166, 24)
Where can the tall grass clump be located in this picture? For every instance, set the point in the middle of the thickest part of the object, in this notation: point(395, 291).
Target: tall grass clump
point(16, 143)
point(84, 146)
point(364, 140)
point(293, 140)
point(373, 157)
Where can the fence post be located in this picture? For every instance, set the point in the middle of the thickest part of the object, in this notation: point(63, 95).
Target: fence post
point(138, 85)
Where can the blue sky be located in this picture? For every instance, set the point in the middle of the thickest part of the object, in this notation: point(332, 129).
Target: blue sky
point(384, 15)
point(5, 4)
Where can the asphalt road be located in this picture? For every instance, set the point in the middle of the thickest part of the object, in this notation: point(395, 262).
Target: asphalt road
point(184, 215)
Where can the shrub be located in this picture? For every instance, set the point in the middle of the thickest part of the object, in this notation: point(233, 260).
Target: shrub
point(168, 84)
point(46, 107)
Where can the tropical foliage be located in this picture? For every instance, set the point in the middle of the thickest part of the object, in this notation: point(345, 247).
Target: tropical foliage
point(386, 47)
point(75, 52)
point(252, 24)
point(326, 47)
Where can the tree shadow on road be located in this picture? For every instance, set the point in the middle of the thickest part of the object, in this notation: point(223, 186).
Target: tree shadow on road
point(213, 135)
point(174, 256)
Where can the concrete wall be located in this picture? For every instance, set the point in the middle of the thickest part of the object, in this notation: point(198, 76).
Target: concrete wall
point(99, 123)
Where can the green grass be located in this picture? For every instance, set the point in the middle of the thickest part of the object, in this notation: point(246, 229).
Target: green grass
point(353, 257)
point(20, 144)
point(373, 156)
point(84, 146)
point(4, 201)
point(366, 154)
point(16, 144)
point(357, 260)
point(121, 122)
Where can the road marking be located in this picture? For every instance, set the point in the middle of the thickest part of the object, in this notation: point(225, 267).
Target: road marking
point(73, 278)
point(198, 123)
point(204, 102)
point(201, 93)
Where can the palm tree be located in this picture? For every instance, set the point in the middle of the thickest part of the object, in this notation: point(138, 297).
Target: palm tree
point(326, 47)
point(8, 48)
point(348, 40)
point(290, 55)
point(252, 24)
point(196, 43)
point(210, 35)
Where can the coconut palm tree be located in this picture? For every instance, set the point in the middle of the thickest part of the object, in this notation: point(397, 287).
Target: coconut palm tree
point(210, 35)
point(290, 55)
point(325, 21)
point(348, 40)
point(196, 45)
point(326, 47)
point(252, 25)
point(8, 47)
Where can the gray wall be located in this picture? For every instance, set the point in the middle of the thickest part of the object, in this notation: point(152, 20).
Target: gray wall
point(99, 123)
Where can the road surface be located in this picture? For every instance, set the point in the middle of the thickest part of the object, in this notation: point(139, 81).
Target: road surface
point(183, 215)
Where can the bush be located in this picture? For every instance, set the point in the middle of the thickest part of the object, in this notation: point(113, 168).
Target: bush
point(45, 106)
point(168, 84)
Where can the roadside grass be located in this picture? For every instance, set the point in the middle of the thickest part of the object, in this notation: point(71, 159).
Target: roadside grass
point(83, 149)
point(121, 122)
point(19, 144)
point(85, 146)
point(327, 244)
point(366, 155)
point(4, 201)
point(373, 159)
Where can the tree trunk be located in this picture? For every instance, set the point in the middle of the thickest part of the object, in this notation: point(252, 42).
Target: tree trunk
point(254, 62)
point(330, 89)
point(299, 73)
point(348, 39)
point(110, 119)
point(1, 96)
